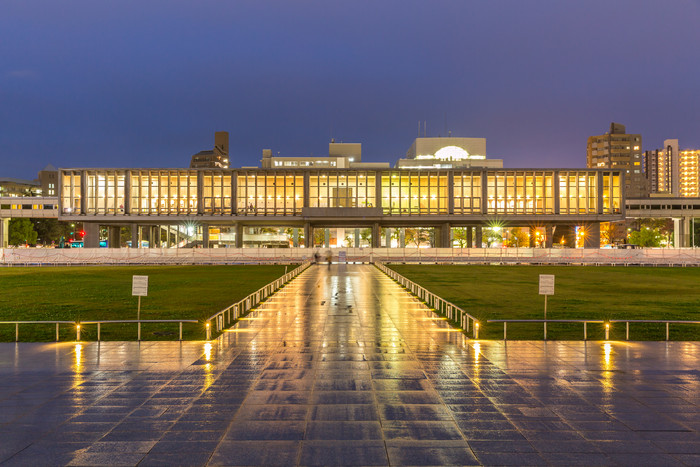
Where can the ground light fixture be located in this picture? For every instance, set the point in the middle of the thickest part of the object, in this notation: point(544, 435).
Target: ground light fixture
point(607, 331)
point(208, 326)
point(77, 330)
point(476, 330)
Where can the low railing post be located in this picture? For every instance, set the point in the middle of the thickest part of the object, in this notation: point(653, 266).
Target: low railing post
point(98, 332)
point(77, 330)
point(666, 330)
point(476, 330)
point(180, 330)
point(139, 331)
point(585, 331)
point(627, 330)
point(505, 326)
point(56, 332)
point(208, 330)
point(16, 332)
point(545, 330)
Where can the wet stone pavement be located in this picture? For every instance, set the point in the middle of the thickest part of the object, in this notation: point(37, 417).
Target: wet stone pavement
point(343, 367)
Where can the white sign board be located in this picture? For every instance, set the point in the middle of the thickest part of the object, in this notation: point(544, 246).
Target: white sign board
point(342, 256)
point(139, 286)
point(546, 284)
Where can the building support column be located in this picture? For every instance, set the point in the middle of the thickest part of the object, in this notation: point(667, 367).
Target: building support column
point(533, 237)
point(114, 236)
point(387, 237)
point(239, 235)
point(308, 240)
point(327, 238)
point(295, 237)
point(357, 238)
point(92, 235)
point(134, 236)
point(376, 235)
point(479, 240)
point(402, 237)
point(205, 235)
point(681, 232)
point(591, 237)
point(445, 236)
point(470, 237)
point(549, 236)
point(4, 232)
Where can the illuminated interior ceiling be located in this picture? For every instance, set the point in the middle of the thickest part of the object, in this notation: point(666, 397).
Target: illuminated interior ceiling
point(451, 153)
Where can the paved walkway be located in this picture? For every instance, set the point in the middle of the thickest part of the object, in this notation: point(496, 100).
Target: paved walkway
point(343, 367)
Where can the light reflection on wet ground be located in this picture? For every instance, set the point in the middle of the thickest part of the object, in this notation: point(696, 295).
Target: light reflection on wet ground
point(343, 367)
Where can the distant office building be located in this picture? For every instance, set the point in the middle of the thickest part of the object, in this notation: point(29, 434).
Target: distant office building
point(45, 185)
point(340, 156)
point(672, 172)
point(48, 180)
point(216, 158)
point(448, 153)
point(617, 149)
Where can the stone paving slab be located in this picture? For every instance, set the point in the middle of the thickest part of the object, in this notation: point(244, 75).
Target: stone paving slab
point(343, 367)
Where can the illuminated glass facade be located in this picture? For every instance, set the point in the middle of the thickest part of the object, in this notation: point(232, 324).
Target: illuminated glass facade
point(343, 189)
point(399, 193)
point(411, 193)
point(270, 194)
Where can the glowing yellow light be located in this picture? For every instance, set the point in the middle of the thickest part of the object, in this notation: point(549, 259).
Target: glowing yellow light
point(207, 351)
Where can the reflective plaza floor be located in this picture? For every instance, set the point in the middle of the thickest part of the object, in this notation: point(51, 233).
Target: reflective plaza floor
point(343, 367)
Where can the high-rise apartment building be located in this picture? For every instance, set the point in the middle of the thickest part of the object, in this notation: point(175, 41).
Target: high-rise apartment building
point(672, 172)
point(617, 149)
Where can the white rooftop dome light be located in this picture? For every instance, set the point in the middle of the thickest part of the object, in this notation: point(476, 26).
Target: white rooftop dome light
point(451, 153)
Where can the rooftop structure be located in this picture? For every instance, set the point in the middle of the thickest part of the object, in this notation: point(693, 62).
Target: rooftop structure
point(216, 158)
point(448, 152)
point(616, 149)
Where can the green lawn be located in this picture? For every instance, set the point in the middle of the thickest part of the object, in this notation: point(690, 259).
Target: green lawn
point(104, 293)
point(582, 292)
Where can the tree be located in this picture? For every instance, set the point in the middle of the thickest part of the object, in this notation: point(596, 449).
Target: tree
point(22, 232)
point(50, 230)
point(646, 237)
point(492, 235)
point(461, 237)
point(518, 238)
point(417, 237)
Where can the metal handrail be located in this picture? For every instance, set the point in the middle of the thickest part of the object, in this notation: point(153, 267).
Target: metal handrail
point(232, 312)
point(595, 321)
point(439, 304)
point(99, 323)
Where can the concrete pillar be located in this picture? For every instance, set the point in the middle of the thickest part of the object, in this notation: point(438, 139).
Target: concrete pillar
point(549, 236)
point(157, 236)
point(470, 237)
point(308, 240)
point(134, 235)
point(376, 235)
point(387, 237)
point(114, 236)
point(239, 235)
point(402, 237)
point(592, 236)
point(445, 236)
point(533, 236)
point(205, 235)
point(479, 239)
point(92, 235)
point(295, 237)
point(327, 238)
point(4, 231)
point(681, 232)
point(357, 238)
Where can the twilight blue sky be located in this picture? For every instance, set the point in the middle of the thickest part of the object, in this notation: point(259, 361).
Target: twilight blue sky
point(146, 83)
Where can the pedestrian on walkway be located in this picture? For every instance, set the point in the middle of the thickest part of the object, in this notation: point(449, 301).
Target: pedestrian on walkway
point(329, 258)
